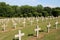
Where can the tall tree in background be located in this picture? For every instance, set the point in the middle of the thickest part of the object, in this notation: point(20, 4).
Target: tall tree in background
point(3, 9)
point(49, 10)
point(56, 12)
point(45, 14)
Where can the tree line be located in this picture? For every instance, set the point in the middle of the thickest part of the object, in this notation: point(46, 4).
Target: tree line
point(7, 10)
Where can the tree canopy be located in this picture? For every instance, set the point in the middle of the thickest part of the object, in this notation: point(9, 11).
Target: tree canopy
point(7, 10)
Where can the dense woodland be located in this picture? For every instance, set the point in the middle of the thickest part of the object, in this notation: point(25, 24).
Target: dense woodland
point(7, 10)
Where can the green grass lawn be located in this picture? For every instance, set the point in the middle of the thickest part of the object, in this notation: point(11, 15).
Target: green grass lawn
point(9, 34)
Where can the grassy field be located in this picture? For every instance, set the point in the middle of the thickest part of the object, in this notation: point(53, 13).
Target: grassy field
point(9, 33)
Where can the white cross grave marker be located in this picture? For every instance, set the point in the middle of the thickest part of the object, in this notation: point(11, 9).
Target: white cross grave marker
point(12, 20)
point(2, 21)
point(37, 20)
point(19, 35)
point(14, 23)
point(4, 27)
point(29, 19)
point(24, 22)
point(31, 22)
point(46, 19)
point(50, 18)
point(19, 20)
point(56, 24)
point(37, 30)
point(48, 27)
point(53, 17)
point(33, 18)
point(42, 19)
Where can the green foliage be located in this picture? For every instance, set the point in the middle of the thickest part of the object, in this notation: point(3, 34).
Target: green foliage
point(45, 13)
point(7, 10)
point(39, 8)
point(49, 10)
point(56, 12)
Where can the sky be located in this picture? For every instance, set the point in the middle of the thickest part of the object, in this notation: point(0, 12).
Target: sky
point(50, 3)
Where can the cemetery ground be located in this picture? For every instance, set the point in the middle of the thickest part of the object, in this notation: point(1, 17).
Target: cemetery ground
point(28, 30)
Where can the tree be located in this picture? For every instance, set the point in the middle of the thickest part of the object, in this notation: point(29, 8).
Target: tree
point(49, 10)
point(2, 9)
point(7, 10)
point(56, 13)
point(26, 10)
point(45, 13)
point(39, 8)
point(35, 14)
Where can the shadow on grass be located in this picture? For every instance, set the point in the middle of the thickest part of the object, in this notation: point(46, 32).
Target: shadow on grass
point(15, 39)
point(31, 34)
point(41, 31)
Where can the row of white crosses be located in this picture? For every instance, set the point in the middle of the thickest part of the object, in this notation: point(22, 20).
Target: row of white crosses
point(42, 19)
point(49, 25)
point(37, 20)
point(31, 21)
point(14, 23)
point(37, 29)
point(4, 22)
point(18, 20)
point(4, 27)
point(24, 22)
point(22, 34)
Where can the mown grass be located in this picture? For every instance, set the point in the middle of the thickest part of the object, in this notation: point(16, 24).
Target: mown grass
point(29, 29)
